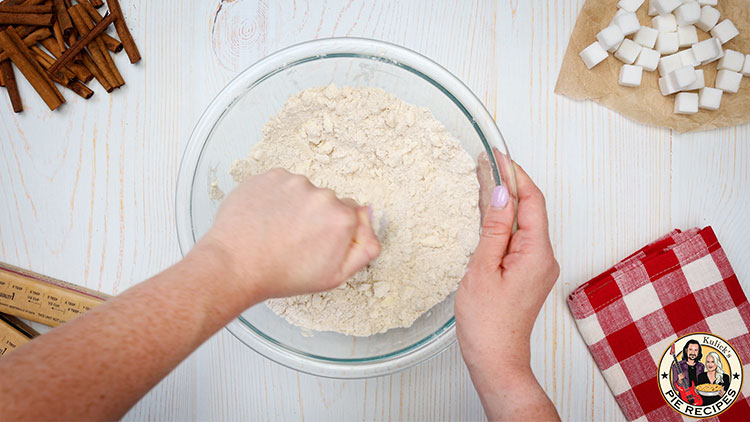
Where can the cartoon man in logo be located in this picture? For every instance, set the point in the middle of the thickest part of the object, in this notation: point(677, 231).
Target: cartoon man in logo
point(690, 365)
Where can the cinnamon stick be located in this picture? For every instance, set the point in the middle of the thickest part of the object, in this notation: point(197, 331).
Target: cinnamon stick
point(24, 30)
point(37, 36)
point(37, 77)
point(80, 89)
point(62, 17)
point(65, 78)
point(102, 45)
point(82, 43)
point(79, 70)
point(91, 10)
point(111, 43)
point(65, 74)
point(6, 69)
point(123, 32)
point(22, 8)
point(97, 3)
point(72, 39)
point(96, 47)
point(2, 79)
point(88, 62)
point(35, 19)
point(57, 31)
point(30, 40)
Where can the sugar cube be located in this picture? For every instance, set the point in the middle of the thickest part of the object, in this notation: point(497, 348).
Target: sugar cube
point(628, 51)
point(630, 75)
point(686, 103)
point(724, 31)
point(666, 87)
point(709, 17)
point(646, 36)
point(719, 54)
point(728, 81)
point(688, 58)
point(618, 13)
point(707, 49)
point(652, 8)
point(710, 98)
point(708, 2)
point(665, 6)
point(667, 43)
point(687, 35)
point(682, 77)
point(664, 23)
point(593, 55)
point(610, 36)
point(732, 60)
point(688, 13)
point(628, 23)
point(700, 82)
point(648, 59)
point(669, 64)
point(630, 5)
point(746, 68)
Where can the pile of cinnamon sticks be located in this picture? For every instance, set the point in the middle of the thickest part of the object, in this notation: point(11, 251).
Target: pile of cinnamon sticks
point(61, 42)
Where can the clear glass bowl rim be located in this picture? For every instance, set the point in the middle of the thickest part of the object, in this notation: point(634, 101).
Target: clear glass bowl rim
point(363, 48)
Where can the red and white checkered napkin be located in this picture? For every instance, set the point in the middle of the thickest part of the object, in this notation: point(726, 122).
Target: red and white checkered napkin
point(629, 315)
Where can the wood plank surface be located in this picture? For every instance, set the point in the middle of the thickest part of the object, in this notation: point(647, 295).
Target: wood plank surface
point(87, 192)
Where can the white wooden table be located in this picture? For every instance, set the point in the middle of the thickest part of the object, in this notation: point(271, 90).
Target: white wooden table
point(86, 193)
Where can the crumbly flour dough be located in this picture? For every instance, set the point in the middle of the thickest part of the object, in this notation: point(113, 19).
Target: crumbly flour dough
point(366, 144)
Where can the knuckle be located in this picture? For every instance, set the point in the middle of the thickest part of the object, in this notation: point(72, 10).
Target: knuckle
point(327, 196)
point(345, 216)
point(494, 226)
point(539, 196)
point(298, 180)
point(278, 172)
point(554, 268)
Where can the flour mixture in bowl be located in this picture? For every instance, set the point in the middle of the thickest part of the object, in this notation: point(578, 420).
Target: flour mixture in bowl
point(366, 144)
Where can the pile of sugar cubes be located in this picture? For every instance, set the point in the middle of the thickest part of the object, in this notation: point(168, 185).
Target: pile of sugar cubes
point(674, 26)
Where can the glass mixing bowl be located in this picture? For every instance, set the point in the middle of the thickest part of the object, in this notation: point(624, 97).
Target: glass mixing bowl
point(232, 125)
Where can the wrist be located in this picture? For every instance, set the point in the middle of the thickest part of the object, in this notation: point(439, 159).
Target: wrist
point(492, 363)
point(225, 284)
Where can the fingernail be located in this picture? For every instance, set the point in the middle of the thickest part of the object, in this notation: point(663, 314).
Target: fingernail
point(499, 197)
point(369, 211)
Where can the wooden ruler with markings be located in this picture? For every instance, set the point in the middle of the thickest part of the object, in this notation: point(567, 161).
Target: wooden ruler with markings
point(42, 299)
point(13, 333)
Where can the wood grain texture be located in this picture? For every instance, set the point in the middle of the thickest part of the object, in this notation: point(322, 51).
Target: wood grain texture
point(86, 193)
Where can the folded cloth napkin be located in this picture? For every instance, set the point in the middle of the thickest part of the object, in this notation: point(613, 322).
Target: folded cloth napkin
point(631, 314)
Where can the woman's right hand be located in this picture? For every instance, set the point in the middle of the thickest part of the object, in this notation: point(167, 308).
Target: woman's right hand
point(282, 236)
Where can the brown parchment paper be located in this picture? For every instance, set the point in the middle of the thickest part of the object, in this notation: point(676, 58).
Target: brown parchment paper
point(645, 103)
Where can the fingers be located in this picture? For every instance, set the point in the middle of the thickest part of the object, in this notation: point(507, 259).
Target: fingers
point(364, 248)
point(532, 210)
point(497, 227)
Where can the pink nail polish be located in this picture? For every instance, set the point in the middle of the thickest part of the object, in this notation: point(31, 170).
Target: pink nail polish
point(499, 197)
point(369, 211)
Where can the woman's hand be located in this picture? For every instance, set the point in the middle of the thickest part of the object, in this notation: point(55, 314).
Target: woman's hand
point(282, 236)
point(275, 235)
point(499, 298)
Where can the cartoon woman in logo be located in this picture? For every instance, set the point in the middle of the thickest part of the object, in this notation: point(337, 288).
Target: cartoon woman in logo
point(714, 375)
